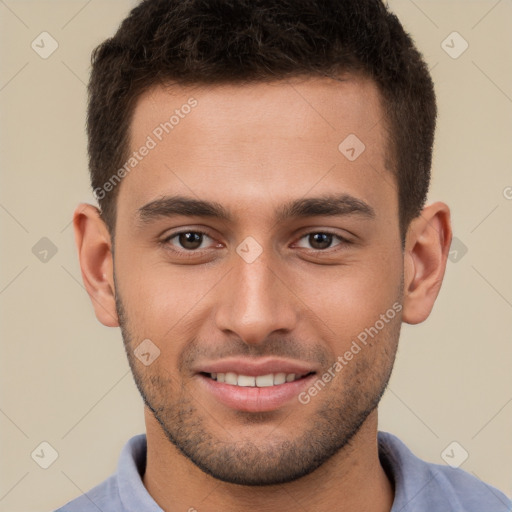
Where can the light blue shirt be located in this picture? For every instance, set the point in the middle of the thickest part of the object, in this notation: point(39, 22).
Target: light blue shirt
point(419, 486)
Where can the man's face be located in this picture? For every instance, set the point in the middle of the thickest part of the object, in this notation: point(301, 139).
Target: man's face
point(267, 292)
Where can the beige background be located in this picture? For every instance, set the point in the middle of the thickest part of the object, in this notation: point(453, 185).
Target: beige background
point(64, 377)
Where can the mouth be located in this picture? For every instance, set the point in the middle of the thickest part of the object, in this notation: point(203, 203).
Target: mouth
point(255, 385)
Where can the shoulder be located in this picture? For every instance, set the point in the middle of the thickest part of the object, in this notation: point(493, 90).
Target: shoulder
point(122, 491)
point(104, 497)
point(423, 486)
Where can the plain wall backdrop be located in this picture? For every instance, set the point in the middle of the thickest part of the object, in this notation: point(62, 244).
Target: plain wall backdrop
point(64, 377)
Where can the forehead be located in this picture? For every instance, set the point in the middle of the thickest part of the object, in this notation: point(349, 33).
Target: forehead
point(249, 143)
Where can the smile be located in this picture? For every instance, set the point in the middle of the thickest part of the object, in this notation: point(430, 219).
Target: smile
point(254, 393)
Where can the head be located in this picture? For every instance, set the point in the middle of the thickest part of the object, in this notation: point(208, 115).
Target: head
point(262, 170)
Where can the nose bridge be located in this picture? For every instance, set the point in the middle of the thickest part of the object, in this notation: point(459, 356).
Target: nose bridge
point(256, 302)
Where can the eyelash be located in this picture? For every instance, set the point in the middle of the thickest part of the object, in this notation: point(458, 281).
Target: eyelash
point(194, 252)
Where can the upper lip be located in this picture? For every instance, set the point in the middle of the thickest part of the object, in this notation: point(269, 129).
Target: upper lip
point(255, 367)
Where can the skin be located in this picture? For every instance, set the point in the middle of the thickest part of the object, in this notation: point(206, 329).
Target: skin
point(253, 148)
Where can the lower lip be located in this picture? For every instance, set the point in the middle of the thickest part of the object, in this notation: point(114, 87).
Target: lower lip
point(254, 399)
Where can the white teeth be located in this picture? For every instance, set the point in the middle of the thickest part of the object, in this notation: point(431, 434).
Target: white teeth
point(261, 381)
point(231, 378)
point(280, 378)
point(246, 381)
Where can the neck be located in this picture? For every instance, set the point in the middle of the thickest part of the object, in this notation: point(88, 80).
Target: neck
point(353, 479)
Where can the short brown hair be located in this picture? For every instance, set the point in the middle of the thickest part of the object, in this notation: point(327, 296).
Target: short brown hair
point(241, 41)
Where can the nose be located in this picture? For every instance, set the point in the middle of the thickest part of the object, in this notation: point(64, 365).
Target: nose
point(256, 301)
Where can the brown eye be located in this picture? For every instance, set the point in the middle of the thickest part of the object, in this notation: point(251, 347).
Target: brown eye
point(320, 240)
point(188, 240)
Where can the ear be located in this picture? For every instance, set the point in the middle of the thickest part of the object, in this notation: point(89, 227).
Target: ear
point(426, 251)
point(95, 254)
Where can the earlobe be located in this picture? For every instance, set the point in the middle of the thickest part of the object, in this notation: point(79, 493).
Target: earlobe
point(95, 254)
point(426, 251)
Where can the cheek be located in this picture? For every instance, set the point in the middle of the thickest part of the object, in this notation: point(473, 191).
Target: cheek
point(160, 299)
point(350, 298)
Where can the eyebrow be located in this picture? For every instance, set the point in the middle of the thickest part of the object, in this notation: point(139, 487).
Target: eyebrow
point(327, 205)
